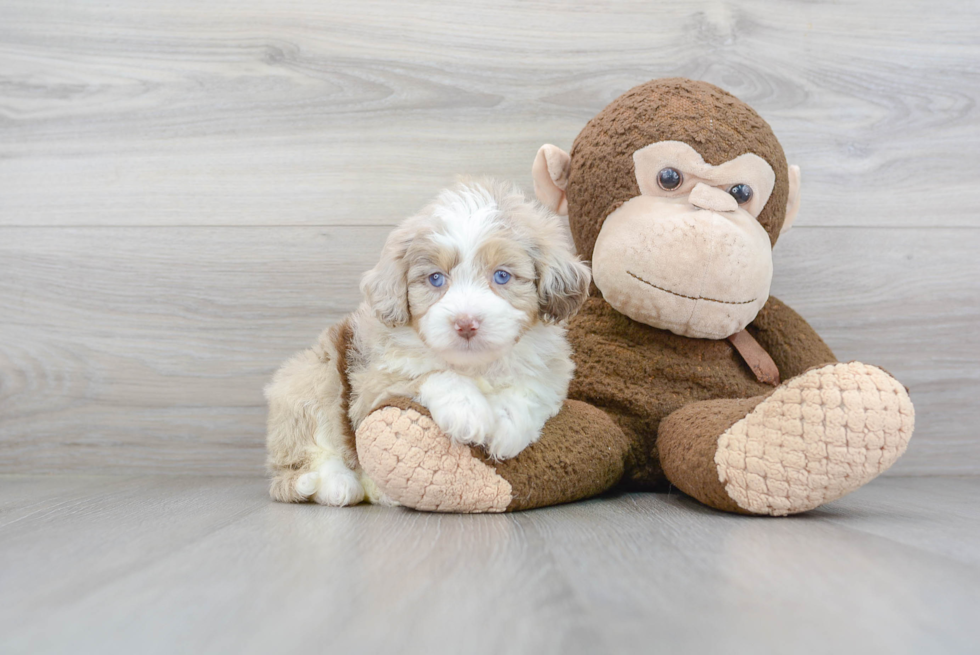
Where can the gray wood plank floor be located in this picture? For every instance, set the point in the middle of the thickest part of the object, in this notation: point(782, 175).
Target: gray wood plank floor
point(145, 564)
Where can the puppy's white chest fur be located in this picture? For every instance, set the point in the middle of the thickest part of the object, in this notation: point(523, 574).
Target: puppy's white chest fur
point(501, 404)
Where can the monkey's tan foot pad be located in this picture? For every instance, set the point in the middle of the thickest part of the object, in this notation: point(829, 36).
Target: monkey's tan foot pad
point(818, 437)
point(415, 464)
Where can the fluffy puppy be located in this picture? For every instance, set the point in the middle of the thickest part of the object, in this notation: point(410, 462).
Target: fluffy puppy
point(463, 314)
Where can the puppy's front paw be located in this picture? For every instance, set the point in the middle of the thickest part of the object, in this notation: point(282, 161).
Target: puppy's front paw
point(458, 408)
point(465, 417)
point(513, 433)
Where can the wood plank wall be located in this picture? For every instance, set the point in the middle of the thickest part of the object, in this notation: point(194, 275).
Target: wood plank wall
point(189, 191)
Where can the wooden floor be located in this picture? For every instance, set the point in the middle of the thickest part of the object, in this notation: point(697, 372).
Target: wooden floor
point(167, 564)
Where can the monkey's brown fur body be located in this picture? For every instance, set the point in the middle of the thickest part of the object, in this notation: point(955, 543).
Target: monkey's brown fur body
point(640, 375)
point(650, 407)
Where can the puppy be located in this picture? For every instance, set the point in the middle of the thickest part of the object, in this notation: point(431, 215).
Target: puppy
point(462, 314)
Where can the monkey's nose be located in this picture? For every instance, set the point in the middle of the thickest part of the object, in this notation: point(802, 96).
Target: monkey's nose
point(712, 198)
point(466, 326)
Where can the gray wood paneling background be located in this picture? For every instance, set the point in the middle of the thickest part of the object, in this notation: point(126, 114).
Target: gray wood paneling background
point(189, 191)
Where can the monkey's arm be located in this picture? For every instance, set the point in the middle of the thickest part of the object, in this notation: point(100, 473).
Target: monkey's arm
point(581, 453)
point(789, 340)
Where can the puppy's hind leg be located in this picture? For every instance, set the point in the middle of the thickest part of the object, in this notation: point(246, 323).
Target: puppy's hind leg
point(293, 486)
point(305, 441)
point(338, 485)
point(329, 483)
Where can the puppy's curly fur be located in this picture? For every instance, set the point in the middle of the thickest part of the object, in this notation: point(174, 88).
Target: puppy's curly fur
point(463, 314)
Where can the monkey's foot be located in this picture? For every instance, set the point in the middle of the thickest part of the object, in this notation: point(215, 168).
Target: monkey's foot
point(818, 437)
point(417, 465)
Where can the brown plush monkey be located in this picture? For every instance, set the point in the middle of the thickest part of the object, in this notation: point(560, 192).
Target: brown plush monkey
point(689, 373)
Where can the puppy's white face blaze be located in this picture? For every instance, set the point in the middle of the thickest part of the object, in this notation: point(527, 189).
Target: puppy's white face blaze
point(471, 284)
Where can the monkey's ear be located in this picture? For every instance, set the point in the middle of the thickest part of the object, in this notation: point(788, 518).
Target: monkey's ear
point(793, 203)
point(550, 175)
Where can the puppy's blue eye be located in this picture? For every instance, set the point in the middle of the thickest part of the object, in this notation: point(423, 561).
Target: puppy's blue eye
point(437, 279)
point(501, 277)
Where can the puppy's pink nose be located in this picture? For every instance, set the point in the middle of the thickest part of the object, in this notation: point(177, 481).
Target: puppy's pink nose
point(466, 326)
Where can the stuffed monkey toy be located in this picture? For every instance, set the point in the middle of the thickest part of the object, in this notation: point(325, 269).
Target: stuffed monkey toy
point(688, 372)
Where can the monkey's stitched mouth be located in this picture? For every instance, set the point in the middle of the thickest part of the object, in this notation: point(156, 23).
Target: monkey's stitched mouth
point(681, 295)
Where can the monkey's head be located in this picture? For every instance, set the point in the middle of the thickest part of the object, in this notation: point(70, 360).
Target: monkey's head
point(677, 192)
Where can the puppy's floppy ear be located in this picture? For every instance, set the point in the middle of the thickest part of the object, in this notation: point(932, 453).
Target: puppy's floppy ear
point(563, 279)
point(386, 285)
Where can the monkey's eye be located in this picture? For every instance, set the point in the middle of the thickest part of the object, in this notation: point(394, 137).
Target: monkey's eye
point(437, 279)
point(669, 179)
point(501, 277)
point(741, 192)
